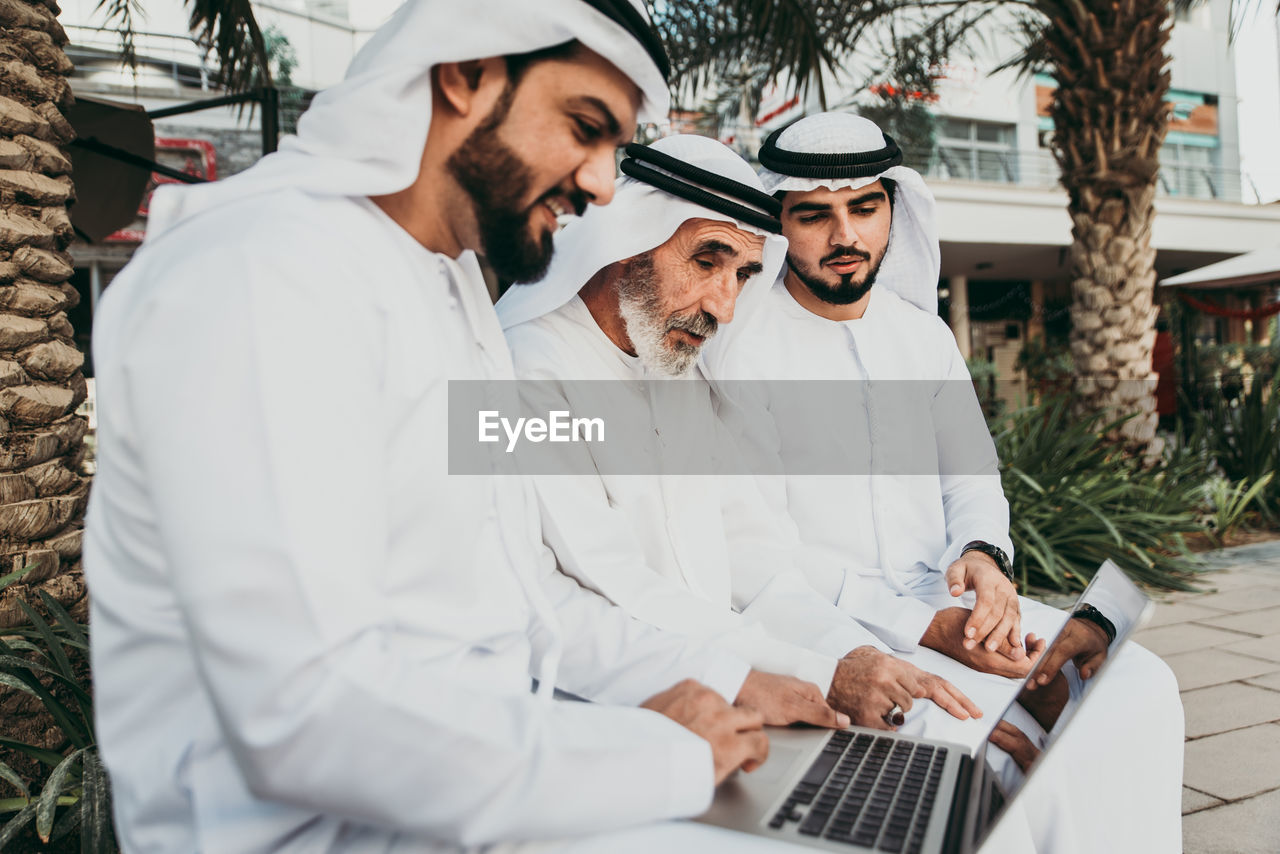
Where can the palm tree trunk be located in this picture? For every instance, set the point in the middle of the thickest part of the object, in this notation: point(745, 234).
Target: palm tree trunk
point(1110, 119)
point(42, 497)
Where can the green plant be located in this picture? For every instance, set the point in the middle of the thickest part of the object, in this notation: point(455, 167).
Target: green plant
point(1048, 368)
point(1075, 500)
point(1228, 503)
point(1262, 358)
point(48, 661)
point(985, 375)
point(1243, 438)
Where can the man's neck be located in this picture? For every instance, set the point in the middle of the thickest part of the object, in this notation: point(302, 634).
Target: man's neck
point(414, 210)
point(601, 298)
point(801, 294)
point(437, 212)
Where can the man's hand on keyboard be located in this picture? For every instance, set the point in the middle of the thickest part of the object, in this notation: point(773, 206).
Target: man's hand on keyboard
point(787, 700)
point(735, 735)
point(868, 684)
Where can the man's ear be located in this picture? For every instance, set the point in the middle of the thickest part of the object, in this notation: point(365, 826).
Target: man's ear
point(471, 85)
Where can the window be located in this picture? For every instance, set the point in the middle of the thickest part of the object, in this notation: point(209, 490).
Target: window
point(977, 151)
point(1190, 170)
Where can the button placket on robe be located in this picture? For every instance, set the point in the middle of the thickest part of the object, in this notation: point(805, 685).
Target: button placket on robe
point(878, 480)
point(504, 492)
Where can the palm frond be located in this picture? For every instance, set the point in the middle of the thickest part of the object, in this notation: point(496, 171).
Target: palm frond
point(229, 29)
point(794, 41)
point(119, 14)
point(226, 28)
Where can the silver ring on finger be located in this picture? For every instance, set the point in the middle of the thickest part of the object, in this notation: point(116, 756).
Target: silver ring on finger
point(894, 717)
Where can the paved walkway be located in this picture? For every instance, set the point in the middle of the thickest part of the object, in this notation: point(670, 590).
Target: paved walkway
point(1224, 647)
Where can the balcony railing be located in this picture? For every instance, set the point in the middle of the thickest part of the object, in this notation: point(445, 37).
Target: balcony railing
point(175, 61)
point(1037, 169)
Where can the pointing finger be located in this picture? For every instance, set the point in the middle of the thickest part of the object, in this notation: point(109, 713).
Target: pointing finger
point(952, 700)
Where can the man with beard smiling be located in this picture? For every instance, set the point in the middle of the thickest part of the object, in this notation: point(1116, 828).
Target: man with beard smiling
point(907, 526)
point(636, 291)
point(307, 636)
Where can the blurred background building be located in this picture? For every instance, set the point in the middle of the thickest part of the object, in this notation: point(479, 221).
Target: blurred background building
point(1002, 216)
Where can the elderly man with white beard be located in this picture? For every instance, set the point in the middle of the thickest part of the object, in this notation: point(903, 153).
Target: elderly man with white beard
point(898, 544)
point(635, 291)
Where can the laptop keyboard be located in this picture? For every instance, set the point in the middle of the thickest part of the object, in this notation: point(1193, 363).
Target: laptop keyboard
point(868, 791)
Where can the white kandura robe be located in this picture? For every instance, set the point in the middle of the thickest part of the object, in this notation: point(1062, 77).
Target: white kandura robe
point(1114, 783)
point(680, 551)
point(307, 636)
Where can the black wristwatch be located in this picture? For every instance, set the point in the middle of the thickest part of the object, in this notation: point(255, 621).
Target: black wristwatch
point(994, 552)
point(1099, 619)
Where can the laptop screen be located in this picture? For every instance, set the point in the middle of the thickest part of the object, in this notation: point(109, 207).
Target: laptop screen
point(1110, 610)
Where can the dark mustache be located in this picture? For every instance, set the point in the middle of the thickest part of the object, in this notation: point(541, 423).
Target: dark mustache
point(846, 253)
point(577, 199)
point(702, 324)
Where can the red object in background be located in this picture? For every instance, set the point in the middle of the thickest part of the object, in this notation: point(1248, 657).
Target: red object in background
point(1208, 307)
point(1162, 364)
point(773, 114)
point(888, 90)
point(196, 157)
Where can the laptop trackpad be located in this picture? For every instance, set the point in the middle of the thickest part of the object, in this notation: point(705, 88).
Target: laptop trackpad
point(778, 765)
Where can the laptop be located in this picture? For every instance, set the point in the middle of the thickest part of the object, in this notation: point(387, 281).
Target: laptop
point(869, 790)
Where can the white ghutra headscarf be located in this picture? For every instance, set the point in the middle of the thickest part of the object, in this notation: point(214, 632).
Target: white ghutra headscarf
point(642, 217)
point(804, 158)
point(365, 136)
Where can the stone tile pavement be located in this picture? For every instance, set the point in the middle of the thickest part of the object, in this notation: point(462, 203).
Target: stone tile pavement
point(1224, 647)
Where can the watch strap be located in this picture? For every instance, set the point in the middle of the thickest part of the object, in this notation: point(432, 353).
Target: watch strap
point(1099, 619)
point(992, 551)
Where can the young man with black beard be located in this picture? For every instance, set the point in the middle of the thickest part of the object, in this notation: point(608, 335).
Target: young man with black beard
point(908, 527)
point(307, 635)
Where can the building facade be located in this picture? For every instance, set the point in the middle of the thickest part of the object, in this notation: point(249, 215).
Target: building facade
point(1001, 214)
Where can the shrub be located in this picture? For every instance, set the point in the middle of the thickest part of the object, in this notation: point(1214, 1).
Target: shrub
point(1228, 503)
point(1075, 500)
point(1243, 438)
point(68, 787)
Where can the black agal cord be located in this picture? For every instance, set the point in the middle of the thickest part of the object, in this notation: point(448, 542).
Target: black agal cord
point(697, 185)
point(803, 164)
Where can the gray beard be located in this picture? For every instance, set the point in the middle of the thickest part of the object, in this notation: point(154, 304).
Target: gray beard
point(642, 319)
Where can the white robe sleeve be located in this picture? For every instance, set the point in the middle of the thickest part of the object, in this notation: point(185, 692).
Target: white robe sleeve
point(611, 657)
point(272, 562)
point(897, 620)
point(972, 497)
point(786, 626)
point(594, 544)
point(763, 542)
point(888, 620)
